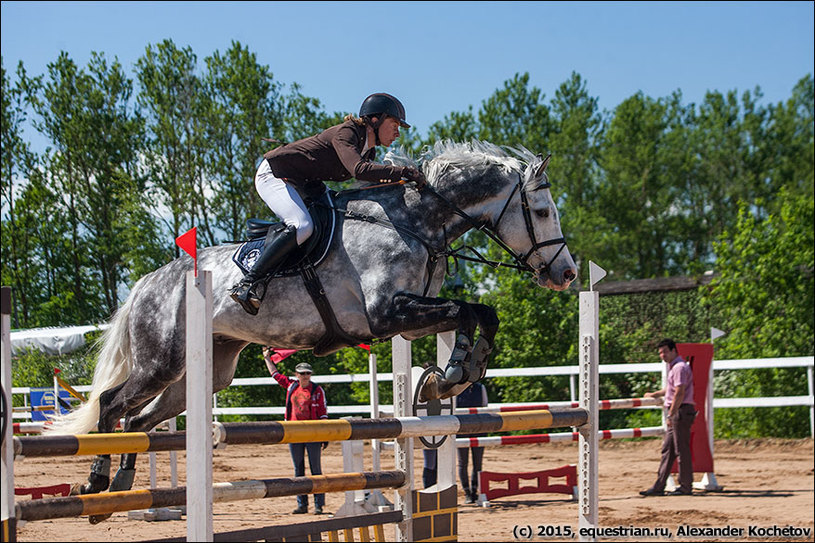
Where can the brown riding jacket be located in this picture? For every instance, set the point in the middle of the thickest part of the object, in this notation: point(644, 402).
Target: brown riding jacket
point(334, 154)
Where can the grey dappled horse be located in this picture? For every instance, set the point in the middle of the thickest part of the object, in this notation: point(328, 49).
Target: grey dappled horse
point(379, 276)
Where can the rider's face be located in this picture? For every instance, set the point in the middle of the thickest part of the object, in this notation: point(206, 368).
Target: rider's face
point(389, 131)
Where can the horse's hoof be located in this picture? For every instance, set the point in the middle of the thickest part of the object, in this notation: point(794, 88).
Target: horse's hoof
point(435, 388)
point(76, 489)
point(96, 484)
point(96, 519)
point(430, 389)
point(448, 390)
point(454, 373)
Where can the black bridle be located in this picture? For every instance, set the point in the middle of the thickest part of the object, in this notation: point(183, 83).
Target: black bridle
point(521, 261)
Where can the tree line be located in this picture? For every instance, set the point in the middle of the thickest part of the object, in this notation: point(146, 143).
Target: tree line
point(655, 187)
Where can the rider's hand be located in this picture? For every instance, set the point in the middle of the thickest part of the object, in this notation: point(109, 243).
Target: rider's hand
point(415, 175)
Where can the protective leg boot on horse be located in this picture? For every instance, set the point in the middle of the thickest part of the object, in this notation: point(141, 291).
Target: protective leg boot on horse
point(250, 290)
point(466, 366)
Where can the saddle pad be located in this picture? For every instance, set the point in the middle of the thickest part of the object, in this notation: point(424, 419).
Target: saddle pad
point(247, 254)
point(315, 249)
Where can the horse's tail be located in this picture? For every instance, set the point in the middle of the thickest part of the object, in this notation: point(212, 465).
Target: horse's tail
point(113, 366)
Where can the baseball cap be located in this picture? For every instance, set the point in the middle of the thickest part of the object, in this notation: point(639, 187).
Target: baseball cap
point(303, 367)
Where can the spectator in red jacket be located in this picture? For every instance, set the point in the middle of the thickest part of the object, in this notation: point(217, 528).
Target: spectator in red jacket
point(304, 401)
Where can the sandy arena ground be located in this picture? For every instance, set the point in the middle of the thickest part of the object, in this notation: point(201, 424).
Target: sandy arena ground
point(766, 483)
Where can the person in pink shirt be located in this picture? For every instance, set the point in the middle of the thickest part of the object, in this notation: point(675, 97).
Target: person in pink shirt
point(304, 401)
point(678, 393)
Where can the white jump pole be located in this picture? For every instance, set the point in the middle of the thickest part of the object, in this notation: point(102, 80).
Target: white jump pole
point(199, 406)
point(9, 522)
point(588, 479)
point(446, 455)
point(403, 450)
point(374, 397)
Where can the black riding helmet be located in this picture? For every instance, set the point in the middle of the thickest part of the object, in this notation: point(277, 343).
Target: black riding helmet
point(380, 103)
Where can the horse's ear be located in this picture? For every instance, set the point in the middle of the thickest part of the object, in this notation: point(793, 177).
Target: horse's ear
point(542, 167)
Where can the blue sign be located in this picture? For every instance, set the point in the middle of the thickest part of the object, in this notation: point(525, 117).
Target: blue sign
point(45, 397)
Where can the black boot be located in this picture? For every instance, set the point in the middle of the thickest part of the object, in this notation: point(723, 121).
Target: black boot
point(246, 291)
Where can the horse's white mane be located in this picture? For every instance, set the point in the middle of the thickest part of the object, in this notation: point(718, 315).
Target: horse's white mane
point(434, 160)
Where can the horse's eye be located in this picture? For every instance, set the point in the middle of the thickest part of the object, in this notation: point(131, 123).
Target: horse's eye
point(542, 213)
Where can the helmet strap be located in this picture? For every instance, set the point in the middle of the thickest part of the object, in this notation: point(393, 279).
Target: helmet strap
point(375, 126)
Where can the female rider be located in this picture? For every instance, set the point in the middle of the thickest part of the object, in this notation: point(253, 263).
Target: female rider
point(295, 172)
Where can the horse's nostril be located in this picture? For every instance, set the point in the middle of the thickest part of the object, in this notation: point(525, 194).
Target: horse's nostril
point(569, 275)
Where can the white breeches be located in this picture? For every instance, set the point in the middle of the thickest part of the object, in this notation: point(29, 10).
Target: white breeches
point(284, 201)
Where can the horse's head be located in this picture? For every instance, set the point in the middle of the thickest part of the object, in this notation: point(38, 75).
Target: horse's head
point(511, 194)
point(530, 225)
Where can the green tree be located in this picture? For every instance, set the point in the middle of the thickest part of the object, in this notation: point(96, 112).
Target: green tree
point(577, 129)
point(788, 142)
point(17, 160)
point(172, 101)
point(86, 115)
point(516, 115)
point(634, 198)
point(764, 299)
point(458, 126)
point(244, 106)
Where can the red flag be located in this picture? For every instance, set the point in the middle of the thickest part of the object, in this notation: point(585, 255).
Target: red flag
point(188, 243)
point(364, 346)
point(277, 356)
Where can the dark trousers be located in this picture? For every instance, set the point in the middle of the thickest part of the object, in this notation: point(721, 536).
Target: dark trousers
point(676, 444)
point(298, 457)
point(429, 468)
point(463, 460)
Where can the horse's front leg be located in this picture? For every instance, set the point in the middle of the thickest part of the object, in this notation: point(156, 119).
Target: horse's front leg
point(417, 316)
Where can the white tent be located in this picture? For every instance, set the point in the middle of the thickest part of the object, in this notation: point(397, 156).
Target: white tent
point(52, 340)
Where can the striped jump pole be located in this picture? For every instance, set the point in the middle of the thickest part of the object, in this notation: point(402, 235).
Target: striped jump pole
point(496, 441)
point(603, 405)
point(112, 502)
point(273, 432)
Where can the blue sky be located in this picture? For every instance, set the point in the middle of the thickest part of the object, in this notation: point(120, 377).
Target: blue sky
point(440, 57)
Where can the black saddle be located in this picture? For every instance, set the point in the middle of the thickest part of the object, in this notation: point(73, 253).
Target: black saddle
point(314, 251)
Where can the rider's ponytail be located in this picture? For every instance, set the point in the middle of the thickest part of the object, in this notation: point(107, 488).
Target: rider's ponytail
point(357, 121)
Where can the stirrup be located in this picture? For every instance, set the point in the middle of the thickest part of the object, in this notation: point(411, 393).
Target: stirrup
point(246, 296)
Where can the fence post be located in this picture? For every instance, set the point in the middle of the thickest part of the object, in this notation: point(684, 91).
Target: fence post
point(199, 406)
point(403, 450)
point(9, 521)
point(589, 392)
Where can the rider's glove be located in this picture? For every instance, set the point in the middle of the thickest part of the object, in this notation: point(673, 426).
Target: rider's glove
point(415, 175)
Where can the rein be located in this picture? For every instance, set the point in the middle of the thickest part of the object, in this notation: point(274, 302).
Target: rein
point(521, 262)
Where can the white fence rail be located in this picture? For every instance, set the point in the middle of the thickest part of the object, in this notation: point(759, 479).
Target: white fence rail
point(572, 371)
